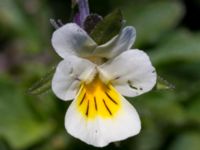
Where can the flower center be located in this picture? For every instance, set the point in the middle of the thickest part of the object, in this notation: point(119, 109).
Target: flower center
point(98, 99)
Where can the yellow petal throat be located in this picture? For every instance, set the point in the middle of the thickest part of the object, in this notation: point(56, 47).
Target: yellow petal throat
point(98, 99)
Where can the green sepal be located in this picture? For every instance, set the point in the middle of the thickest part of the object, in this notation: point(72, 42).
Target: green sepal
point(44, 84)
point(163, 84)
point(108, 27)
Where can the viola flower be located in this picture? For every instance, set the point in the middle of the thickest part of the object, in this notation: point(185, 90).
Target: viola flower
point(96, 77)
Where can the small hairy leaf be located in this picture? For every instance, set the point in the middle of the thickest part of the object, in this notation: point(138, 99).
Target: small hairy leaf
point(108, 27)
point(43, 85)
point(163, 84)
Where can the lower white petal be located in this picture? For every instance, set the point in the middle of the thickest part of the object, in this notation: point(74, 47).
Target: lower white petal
point(102, 126)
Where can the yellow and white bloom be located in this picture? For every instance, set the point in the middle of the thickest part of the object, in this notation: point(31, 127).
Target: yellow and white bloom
point(99, 114)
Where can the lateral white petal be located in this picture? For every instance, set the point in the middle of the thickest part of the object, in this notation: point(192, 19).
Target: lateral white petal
point(100, 131)
point(118, 44)
point(71, 39)
point(131, 73)
point(69, 73)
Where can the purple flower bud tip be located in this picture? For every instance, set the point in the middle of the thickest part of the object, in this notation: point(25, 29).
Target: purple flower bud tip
point(83, 12)
point(76, 19)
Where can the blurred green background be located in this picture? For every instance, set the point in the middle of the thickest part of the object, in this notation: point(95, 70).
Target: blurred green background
point(168, 30)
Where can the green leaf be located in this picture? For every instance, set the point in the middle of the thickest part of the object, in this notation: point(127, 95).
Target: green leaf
point(152, 19)
point(108, 27)
point(20, 126)
point(179, 46)
point(150, 133)
point(187, 141)
point(12, 16)
point(193, 109)
point(163, 84)
point(158, 103)
point(3, 145)
point(30, 30)
point(43, 85)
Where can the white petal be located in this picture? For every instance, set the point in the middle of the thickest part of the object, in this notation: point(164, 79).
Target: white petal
point(118, 44)
point(69, 73)
point(100, 131)
point(131, 73)
point(71, 39)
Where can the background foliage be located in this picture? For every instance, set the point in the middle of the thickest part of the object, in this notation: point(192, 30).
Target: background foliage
point(168, 30)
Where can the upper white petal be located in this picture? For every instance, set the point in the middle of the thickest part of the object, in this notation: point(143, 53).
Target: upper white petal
point(131, 73)
point(100, 132)
point(69, 73)
point(117, 44)
point(71, 39)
